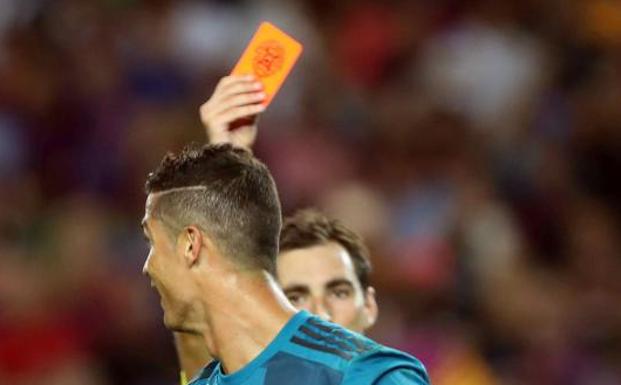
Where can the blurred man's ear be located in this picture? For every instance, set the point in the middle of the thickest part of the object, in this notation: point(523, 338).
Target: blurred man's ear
point(370, 307)
point(192, 241)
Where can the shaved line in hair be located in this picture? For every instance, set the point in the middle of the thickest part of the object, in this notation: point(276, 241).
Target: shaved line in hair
point(177, 189)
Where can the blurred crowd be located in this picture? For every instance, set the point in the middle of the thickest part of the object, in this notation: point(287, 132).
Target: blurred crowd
point(475, 144)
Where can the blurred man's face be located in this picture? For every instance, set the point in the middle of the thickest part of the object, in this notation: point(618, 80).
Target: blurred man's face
point(166, 269)
point(322, 280)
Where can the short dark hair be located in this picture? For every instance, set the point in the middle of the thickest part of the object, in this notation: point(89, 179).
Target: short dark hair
point(225, 191)
point(309, 227)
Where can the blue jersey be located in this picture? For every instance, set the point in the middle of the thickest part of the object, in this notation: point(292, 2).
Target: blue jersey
point(310, 351)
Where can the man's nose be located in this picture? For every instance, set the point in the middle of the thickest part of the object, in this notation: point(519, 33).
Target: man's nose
point(319, 309)
point(145, 267)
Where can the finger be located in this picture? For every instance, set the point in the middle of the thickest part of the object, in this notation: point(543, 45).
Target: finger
point(217, 106)
point(237, 89)
point(233, 85)
point(227, 80)
point(219, 119)
point(230, 81)
point(222, 97)
point(241, 112)
point(238, 101)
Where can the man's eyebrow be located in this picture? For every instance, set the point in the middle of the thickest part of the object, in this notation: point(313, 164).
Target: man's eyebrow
point(338, 282)
point(296, 287)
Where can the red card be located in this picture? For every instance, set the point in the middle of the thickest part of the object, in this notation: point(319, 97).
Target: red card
point(269, 56)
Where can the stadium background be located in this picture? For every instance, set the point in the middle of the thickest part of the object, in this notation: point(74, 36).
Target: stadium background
point(475, 144)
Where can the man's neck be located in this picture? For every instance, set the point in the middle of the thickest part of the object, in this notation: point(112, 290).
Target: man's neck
point(244, 315)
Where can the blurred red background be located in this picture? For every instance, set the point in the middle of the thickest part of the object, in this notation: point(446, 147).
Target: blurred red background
point(475, 144)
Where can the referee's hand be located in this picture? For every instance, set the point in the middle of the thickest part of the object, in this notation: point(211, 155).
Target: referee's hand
point(230, 115)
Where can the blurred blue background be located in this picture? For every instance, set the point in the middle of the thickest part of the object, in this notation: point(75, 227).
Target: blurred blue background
point(475, 144)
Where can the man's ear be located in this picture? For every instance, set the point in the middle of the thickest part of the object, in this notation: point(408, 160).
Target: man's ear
point(192, 243)
point(370, 307)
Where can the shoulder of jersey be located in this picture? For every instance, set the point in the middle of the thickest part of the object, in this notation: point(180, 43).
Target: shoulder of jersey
point(336, 344)
point(328, 339)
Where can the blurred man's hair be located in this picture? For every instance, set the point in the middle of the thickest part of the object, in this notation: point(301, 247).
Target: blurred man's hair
point(309, 227)
point(226, 192)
